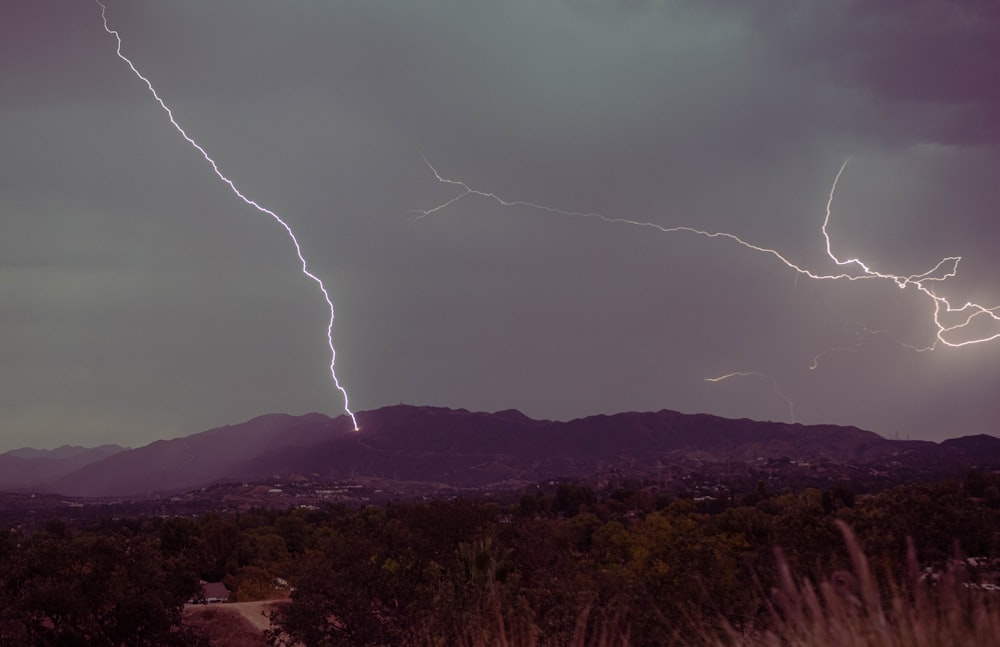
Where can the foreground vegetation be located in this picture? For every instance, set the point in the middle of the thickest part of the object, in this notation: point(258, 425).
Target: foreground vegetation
point(560, 569)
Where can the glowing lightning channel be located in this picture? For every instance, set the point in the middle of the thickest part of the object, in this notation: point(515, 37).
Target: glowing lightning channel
point(248, 201)
point(945, 269)
point(941, 304)
point(774, 384)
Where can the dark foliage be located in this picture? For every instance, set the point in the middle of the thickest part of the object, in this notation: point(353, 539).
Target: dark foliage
point(562, 568)
point(59, 587)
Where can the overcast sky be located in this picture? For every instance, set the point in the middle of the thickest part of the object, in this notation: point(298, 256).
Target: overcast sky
point(140, 299)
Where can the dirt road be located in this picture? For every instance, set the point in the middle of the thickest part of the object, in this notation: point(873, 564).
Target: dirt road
point(232, 624)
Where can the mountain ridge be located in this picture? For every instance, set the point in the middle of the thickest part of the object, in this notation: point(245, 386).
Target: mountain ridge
point(27, 467)
point(470, 449)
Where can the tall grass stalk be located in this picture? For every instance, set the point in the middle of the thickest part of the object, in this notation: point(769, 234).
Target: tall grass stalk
point(848, 608)
point(851, 609)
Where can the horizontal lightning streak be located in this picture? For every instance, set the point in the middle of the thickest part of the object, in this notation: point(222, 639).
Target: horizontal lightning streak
point(248, 201)
point(945, 269)
point(774, 384)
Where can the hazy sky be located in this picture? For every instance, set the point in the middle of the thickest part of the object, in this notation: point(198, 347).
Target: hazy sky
point(140, 299)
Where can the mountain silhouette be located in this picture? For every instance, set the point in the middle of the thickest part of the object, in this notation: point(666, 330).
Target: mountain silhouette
point(462, 448)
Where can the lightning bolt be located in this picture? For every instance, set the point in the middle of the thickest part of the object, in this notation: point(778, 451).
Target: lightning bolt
point(245, 199)
point(774, 384)
point(854, 269)
point(971, 310)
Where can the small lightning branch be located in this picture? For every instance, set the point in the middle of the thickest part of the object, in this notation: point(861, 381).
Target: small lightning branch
point(860, 332)
point(774, 384)
point(248, 201)
point(955, 333)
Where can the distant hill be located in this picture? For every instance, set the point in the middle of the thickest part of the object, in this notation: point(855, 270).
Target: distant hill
point(474, 449)
point(64, 451)
point(28, 468)
point(972, 446)
point(183, 463)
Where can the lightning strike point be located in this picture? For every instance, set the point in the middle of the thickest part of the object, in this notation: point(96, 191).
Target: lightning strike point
point(246, 200)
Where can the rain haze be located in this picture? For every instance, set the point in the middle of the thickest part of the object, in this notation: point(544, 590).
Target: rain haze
point(140, 299)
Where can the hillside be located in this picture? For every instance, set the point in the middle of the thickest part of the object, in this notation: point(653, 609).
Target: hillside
point(31, 468)
point(466, 449)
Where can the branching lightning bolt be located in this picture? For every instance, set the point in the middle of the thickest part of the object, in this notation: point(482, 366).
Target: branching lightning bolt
point(774, 384)
point(248, 201)
point(855, 269)
point(971, 311)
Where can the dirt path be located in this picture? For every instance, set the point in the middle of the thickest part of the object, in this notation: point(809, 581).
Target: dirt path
point(253, 611)
point(232, 624)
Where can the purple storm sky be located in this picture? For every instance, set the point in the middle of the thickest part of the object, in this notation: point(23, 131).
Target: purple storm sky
point(139, 299)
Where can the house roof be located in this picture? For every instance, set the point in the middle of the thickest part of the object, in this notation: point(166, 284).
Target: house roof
point(214, 590)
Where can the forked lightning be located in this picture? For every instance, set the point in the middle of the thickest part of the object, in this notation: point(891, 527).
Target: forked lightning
point(946, 334)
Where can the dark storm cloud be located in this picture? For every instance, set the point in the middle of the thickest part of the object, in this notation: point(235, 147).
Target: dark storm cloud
point(141, 299)
point(934, 59)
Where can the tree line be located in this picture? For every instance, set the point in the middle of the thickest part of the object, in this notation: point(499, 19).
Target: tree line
point(564, 567)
